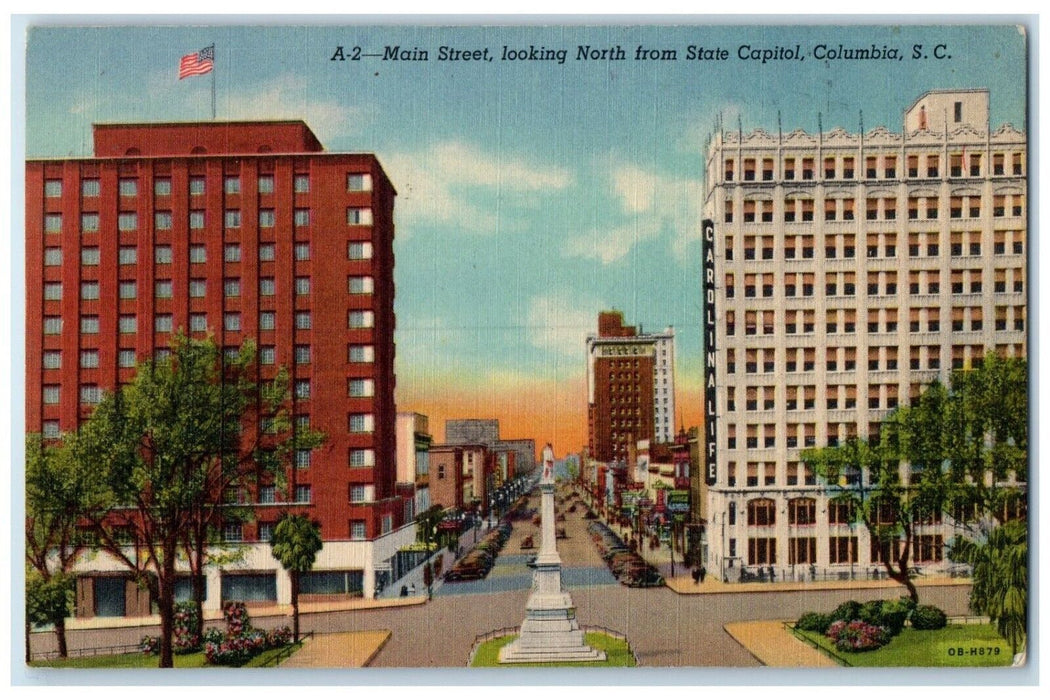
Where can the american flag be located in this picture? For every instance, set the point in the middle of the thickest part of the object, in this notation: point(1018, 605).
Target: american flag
point(197, 63)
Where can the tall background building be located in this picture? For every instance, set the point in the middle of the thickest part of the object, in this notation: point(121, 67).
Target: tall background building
point(630, 388)
point(843, 272)
point(239, 230)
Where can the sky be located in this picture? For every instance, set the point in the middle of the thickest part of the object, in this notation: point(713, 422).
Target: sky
point(532, 194)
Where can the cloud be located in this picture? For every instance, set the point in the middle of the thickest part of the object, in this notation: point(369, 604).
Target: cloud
point(288, 97)
point(559, 321)
point(651, 205)
point(447, 182)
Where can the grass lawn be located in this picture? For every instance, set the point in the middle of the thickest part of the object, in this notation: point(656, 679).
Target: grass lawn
point(616, 652)
point(955, 645)
point(138, 660)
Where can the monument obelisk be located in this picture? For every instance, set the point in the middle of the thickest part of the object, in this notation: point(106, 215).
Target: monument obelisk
point(550, 631)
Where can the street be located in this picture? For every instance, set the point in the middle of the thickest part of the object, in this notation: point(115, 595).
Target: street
point(664, 628)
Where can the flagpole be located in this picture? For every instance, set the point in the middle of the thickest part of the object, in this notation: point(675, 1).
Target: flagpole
point(213, 83)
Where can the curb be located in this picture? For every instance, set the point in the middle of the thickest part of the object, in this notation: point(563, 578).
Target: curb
point(379, 648)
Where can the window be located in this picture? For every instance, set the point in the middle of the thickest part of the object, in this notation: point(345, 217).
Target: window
point(128, 289)
point(50, 429)
point(266, 287)
point(198, 288)
point(267, 494)
point(359, 216)
point(89, 188)
point(302, 354)
point(232, 218)
point(196, 185)
point(231, 287)
point(267, 252)
point(357, 530)
point(89, 290)
point(301, 183)
point(232, 184)
point(198, 323)
point(90, 394)
point(362, 458)
point(89, 359)
point(361, 423)
point(842, 550)
point(266, 184)
point(360, 387)
point(266, 218)
point(162, 255)
point(302, 286)
point(233, 532)
point(361, 353)
point(361, 319)
point(128, 255)
point(360, 285)
point(196, 219)
point(302, 493)
point(359, 251)
point(128, 324)
point(357, 493)
point(762, 550)
point(231, 252)
point(162, 220)
point(802, 511)
point(126, 221)
point(267, 320)
point(231, 321)
point(802, 550)
point(52, 359)
point(302, 459)
point(50, 395)
point(302, 251)
point(53, 256)
point(761, 511)
point(163, 289)
point(162, 187)
point(162, 323)
point(128, 187)
point(52, 291)
point(302, 217)
point(302, 388)
point(359, 182)
point(303, 320)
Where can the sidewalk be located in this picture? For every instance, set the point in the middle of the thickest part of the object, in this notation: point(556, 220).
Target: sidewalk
point(95, 623)
point(773, 645)
point(339, 650)
point(684, 585)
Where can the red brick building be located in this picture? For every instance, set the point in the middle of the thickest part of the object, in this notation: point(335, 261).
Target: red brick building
point(238, 230)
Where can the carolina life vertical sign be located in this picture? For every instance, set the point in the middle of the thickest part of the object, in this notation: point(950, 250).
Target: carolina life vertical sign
point(710, 417)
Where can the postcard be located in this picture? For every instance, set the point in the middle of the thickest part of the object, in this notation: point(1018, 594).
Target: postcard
point(578, 345)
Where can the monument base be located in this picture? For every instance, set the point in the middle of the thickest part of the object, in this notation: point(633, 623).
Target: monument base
point(549, 635)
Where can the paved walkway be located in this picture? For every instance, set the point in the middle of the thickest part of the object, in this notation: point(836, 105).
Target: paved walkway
point(339, 650)
point(773, 645)
point(684, 585)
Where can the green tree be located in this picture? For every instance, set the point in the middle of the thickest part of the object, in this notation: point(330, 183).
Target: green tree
point(960, 449)
point(1000, 578)
point(427, 524)
point(185, 436)
point(296, 542)
point(49, 601)
point(59, 491)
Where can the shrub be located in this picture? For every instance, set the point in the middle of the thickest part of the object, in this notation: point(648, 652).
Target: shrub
point(857, 635)
point(813, 622)
point(928, 617)
point(894, 613)
point(848, 611)
point(184, 639)
point(213, 635)
point(150, 645)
